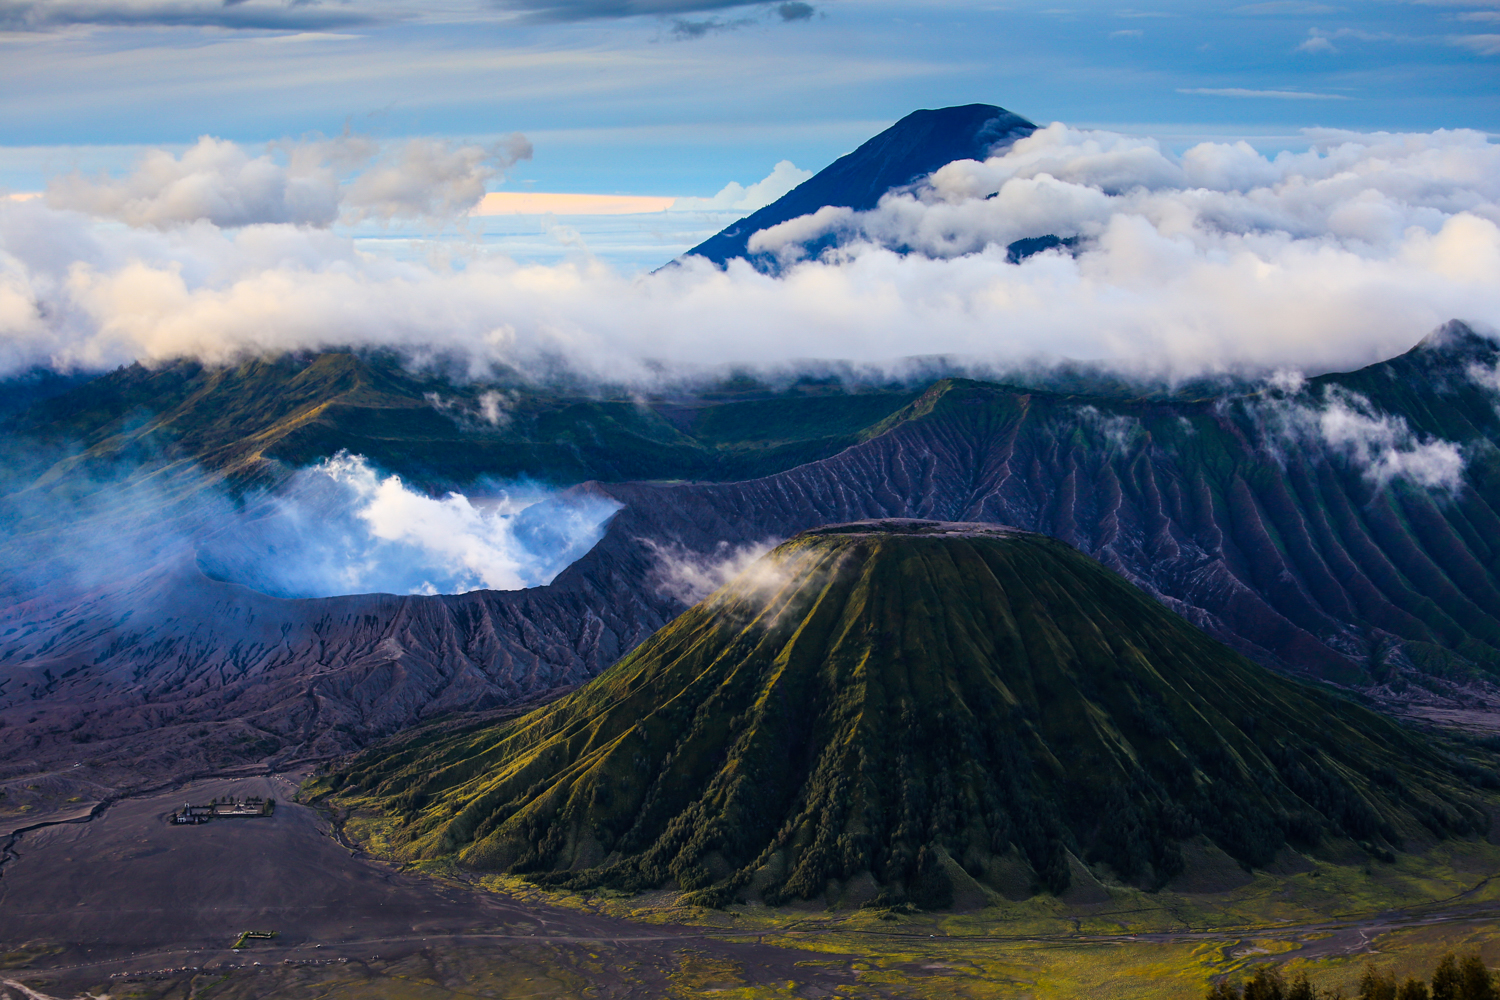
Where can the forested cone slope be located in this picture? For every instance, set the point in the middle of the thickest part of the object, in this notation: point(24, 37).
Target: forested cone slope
point(885, 696)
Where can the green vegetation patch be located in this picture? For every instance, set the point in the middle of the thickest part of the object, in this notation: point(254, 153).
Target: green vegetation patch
point(899, 719)
point(252, 421)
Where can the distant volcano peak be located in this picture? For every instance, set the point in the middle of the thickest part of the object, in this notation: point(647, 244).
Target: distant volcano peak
point(903, 154)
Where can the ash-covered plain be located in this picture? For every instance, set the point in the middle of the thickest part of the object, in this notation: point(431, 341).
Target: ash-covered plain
point(128, 893)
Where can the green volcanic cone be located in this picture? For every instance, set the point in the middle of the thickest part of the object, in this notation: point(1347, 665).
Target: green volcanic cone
point(890, 699)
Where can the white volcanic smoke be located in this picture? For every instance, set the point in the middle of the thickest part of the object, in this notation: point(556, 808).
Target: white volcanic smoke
point(342, 528)
point(1340, 422)
point(1218, 260)
point(690, 576)
point(338, 527)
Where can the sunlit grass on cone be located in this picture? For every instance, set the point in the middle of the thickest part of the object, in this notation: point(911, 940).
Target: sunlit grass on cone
point(909, 717)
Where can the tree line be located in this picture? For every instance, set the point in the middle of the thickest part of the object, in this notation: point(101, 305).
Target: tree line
point(1454, 978)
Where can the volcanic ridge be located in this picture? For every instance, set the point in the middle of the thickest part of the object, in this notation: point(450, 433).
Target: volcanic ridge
point(900, 711)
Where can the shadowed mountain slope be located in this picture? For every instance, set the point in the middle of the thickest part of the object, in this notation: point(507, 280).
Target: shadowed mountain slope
point(1320, 555)
point(903, 154)
point(881, 697)
point(254, 421)
point(1304, 552)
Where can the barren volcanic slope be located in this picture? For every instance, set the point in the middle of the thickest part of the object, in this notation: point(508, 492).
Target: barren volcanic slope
point(872, 702)
point(1234, 511)
point(1306, 552)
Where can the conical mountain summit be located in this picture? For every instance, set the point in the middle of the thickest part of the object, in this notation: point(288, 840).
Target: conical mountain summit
point(903, 154)
point(889, 710)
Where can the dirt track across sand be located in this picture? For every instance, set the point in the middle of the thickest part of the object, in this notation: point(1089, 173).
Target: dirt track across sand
point(127, 882)
point(127, 892)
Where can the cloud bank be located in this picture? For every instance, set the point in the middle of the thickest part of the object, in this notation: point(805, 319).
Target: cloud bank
point(736, 197)
point(315, 182)
point(1219, 259)
point(51, 15)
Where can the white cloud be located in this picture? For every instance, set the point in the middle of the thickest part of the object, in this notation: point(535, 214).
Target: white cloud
point(430, 179)
point(1382, 446)
point(1484, 45)
point(1361, 35)
point(735, 197)
point(311, 183)
point(1385, 447)
point(1486, 377)
point(1365, 195)
point(495, 408)
point(1115, 428)
point(215, 181)
point(1317, 43)
point(1279, 95)
point(1216, 259)
point(1320, 40)
point(491, 409)
point(254, 15)
point(1286, 7)
point(1287, 381)
point(786, 238)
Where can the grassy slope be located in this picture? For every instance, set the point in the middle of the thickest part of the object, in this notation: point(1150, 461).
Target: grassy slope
point(1219, 468)
point(247, 421)
point(943, 713)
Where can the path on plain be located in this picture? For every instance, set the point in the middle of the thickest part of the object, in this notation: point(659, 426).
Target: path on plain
point(122, 890)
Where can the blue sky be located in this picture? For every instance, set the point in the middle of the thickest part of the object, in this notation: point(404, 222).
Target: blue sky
point(676, 97)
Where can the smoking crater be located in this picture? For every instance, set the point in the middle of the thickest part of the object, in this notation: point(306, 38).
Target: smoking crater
point(341, 527)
